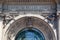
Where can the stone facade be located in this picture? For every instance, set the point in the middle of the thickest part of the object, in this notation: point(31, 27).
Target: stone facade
point(44, 16)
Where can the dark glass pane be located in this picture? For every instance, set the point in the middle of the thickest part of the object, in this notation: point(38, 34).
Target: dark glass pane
point(30, 35)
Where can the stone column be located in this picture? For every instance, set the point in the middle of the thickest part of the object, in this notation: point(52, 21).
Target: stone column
point(59, 27)
point(1, 28)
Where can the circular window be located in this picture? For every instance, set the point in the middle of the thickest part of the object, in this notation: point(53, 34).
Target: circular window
point(30, 34)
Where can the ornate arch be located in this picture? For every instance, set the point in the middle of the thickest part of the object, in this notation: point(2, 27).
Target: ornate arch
point(29, 20)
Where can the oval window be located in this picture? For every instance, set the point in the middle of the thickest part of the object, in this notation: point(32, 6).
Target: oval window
point(30, 34)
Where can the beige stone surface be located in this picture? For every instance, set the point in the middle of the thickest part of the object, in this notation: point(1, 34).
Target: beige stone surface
point(1, 28)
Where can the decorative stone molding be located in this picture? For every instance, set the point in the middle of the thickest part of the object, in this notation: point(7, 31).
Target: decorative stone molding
point(29, 20)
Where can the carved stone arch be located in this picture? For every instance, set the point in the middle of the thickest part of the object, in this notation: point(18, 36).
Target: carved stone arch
point(30, 21)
